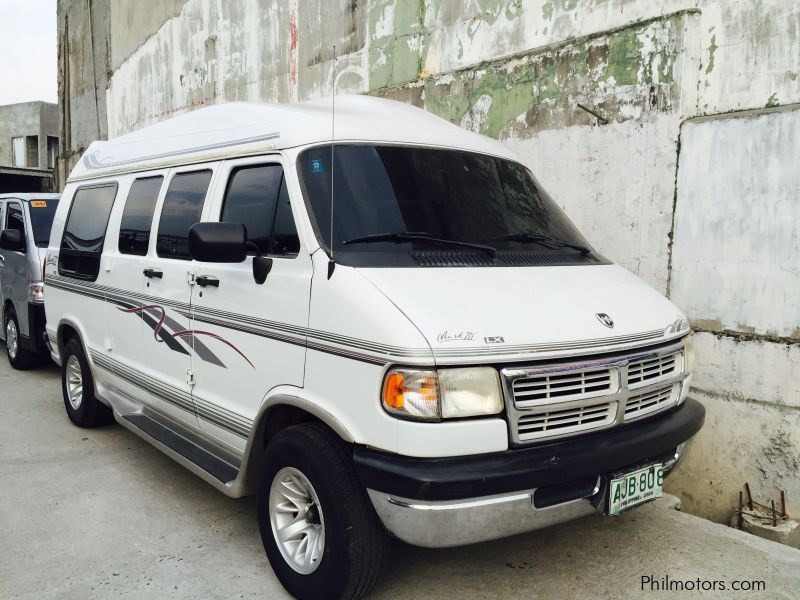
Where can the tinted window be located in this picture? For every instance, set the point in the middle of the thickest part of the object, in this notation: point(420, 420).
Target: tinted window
point(85, 230)
point(257, 197)
point(452, 195)
point(250, 199)
point(284, 239)
point(137, 218)
point(14, 218)
point(183, 207)
point(42, 213)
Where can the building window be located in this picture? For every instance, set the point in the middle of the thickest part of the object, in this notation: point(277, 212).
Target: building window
point(32, 150)
point(18, 152)
point(52, 151)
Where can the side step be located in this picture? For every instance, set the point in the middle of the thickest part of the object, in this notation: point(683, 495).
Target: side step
point(205, 460)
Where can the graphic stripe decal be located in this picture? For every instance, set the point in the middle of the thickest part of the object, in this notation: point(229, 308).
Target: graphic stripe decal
point(360, 349)
point(225, 419)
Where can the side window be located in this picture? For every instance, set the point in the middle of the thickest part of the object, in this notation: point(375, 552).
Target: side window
point(257, 197)
point(137, 218)
point(183, 207)
point(14, 218)
point(85, 232)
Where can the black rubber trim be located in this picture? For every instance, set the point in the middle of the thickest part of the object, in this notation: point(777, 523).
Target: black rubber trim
point(34, 341)
point(217, 468)
point(518, 469)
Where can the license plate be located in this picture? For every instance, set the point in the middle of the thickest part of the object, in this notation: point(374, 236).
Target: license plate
point(633, 488)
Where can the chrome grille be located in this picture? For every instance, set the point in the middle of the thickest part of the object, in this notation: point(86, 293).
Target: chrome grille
point(564, 399)
point(651, 401)
point(546, 387)
point(547, 422)
point(652, 369)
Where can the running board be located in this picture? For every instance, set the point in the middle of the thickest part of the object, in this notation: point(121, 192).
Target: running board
point(202, 458)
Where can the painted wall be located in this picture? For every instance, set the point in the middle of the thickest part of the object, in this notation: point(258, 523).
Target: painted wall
point(615, 104)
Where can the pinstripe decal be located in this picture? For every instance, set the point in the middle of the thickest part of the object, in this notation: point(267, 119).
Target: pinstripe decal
point(225, 419)
point(360, 349)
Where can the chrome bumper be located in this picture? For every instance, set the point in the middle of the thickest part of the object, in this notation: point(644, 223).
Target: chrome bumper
point(443, 524)
point(462, 522)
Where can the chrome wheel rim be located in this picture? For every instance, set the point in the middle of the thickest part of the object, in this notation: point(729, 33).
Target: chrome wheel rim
point(74, 382)
point(12, 339)
point(298, 525)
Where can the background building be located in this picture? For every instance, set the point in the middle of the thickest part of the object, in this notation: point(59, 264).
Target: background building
point(28, 146)
point(667, 129)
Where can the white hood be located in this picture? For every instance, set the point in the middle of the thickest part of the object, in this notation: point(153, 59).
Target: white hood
point(470, 314)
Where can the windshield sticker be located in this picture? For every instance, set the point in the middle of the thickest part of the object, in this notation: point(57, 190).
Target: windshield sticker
point(316, 167)
point(38, 204)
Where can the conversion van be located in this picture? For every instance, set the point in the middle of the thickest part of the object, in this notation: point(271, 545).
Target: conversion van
point(397, 332)
point(25, 222)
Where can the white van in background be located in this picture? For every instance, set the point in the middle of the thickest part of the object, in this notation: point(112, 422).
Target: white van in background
point(400, 332)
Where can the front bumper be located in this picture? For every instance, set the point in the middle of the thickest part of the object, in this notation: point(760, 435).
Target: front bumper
point(441, 502)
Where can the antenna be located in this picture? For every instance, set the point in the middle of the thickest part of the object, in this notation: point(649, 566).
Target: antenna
point(331, 263)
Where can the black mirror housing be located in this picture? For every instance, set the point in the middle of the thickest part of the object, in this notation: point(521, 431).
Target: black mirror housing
point(218, 242)
point(11, 239)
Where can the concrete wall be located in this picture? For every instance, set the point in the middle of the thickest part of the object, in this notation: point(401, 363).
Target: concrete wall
point(703, 208)
point(38, 119)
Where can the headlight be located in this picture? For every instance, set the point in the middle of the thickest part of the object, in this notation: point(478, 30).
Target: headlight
point(688, 353)
point(36, 292)
point(431, 395)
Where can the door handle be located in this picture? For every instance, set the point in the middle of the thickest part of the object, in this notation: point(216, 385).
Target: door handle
point(205, 280)
point(151, 273)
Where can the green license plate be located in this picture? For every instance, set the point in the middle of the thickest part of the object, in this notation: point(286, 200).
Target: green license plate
point(634, 488)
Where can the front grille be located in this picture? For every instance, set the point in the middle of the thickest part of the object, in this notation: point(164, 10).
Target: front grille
point(545, 387)
point(651, 401)
point(554, 421)
point(652, 369)
point(560, 400)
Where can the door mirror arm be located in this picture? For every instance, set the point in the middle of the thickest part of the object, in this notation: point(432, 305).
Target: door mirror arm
point(262, 265)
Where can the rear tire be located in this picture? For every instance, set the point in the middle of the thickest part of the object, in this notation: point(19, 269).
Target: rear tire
point(77, 386)
point(308, 482)
point(20, 359)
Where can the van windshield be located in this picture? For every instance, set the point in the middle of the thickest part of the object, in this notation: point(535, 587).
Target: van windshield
point(413, 206)
point(42, 213)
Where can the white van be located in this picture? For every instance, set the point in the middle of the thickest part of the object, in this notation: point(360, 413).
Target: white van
point(446, 359)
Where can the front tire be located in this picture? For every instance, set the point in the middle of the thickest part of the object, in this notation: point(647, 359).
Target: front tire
point(18, 357)
point(320, 532)
point(77, 387)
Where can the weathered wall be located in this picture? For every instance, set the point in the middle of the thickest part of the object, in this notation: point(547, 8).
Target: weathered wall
point(24, 119)
point(704, 209)
point(84, 67)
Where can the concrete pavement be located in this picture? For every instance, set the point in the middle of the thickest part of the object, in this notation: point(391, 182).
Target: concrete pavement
point(101, 514)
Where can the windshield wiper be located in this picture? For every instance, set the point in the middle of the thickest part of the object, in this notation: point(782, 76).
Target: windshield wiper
point(543, 240)
point(417, 236)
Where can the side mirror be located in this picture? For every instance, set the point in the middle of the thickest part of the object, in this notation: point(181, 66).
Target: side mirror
point(11, 239)
point(218, 242)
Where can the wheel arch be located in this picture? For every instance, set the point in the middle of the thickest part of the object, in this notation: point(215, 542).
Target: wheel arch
point(276, 414)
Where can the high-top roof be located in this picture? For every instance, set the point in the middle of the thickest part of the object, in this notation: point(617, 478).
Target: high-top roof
point(244, 128)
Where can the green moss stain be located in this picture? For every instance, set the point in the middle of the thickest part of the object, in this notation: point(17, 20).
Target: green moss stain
point(624, 57)
point(772, 101)
point(399, 56)
point(712, 50)
point(512, 94)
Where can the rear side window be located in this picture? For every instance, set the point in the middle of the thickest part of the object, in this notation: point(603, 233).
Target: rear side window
point(183, 207)
point(257, 197)
point(14, 218)
point(85, 232)
point(42, 213)
point(137, 218)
